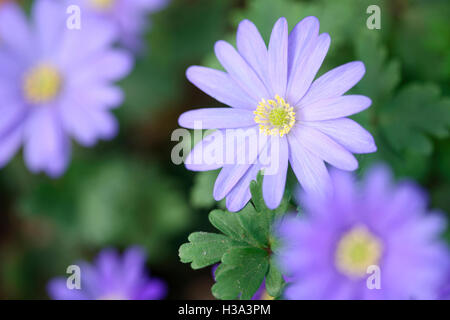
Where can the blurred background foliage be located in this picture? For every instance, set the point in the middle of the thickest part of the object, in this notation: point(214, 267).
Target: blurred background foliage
point(127, 191)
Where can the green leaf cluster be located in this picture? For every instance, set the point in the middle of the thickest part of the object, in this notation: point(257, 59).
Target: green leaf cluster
point(244, 249)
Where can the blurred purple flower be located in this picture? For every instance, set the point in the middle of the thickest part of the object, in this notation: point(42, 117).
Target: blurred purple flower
point(272, 93)
point(112, 278)
point(328, 251)
point(55, 83)
point(445, 289)
point(130, 16)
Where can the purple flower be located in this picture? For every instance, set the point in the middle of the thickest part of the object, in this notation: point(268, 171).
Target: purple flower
point(130, 16)
point(112, 278)
point(272, 95)
point(55, 83)
point(373, 242)
point(444, 293)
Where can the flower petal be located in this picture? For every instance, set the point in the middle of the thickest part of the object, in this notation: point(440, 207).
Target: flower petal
point(240, 194)
point(301, 39)
point(95, 36)
point(228, 177)
point(12, 113)
point(325, 148)
point(309, 169)
point(49, 22)
point(155, 289)
point(274, 183)
point(46, 146)
point(252, 48)
point(86, 122)
point(9, 144)
point(240, 71)
point(335, 82)
point(15, 33)
point(333, 108)
point(110, 65)
point(207, 154)
point(347, 133)
point(216, 118)
point(221, 87)
point(278, 55)
point(57, 290)
point(304, 73)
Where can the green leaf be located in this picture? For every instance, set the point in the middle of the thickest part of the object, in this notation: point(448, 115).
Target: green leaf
point(382, 75)
point(274, 280)
point(242, 274)
point(246, 253)
point(204, 249)
point(414, 114)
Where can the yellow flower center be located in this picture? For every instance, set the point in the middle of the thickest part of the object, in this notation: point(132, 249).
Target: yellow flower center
point(42, 84)
point(102, 4)
point(275, 117)
point(357, 250)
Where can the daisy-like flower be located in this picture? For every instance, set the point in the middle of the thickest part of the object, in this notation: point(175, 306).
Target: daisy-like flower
point(271, 92)
point(55, 83)
point(111, 278)
point(375, 241)
point(130, 16)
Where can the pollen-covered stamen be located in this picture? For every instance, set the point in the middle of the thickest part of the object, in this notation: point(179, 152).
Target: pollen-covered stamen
point(42, 84)
point(102, 4)
point(357, 250)
point(275, 117)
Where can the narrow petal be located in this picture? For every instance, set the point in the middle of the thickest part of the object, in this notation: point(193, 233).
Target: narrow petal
point(110, 65)
point(133, 263)
point(274, 184)
point(252, 48)
point(325, 148)
point(305, 73)
point(309, 169)
point(244, 154)
point(334, 108)
point(303, 42)
point(207, 154)
point(99, 96)
point(154, 290)
point(49, 23)
point(335, 82)
point(217, 118)
point(57, 290)
point(240, 194)
point(15, 33)
point(12, 113)
point(46, 146)
point(221, 87)
point(347, 133)
point(86, 122)
point(9, 145)
point(278, 56)
point(228, 177)
point(95, 36)
point(240, 71)
point(301, 39)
